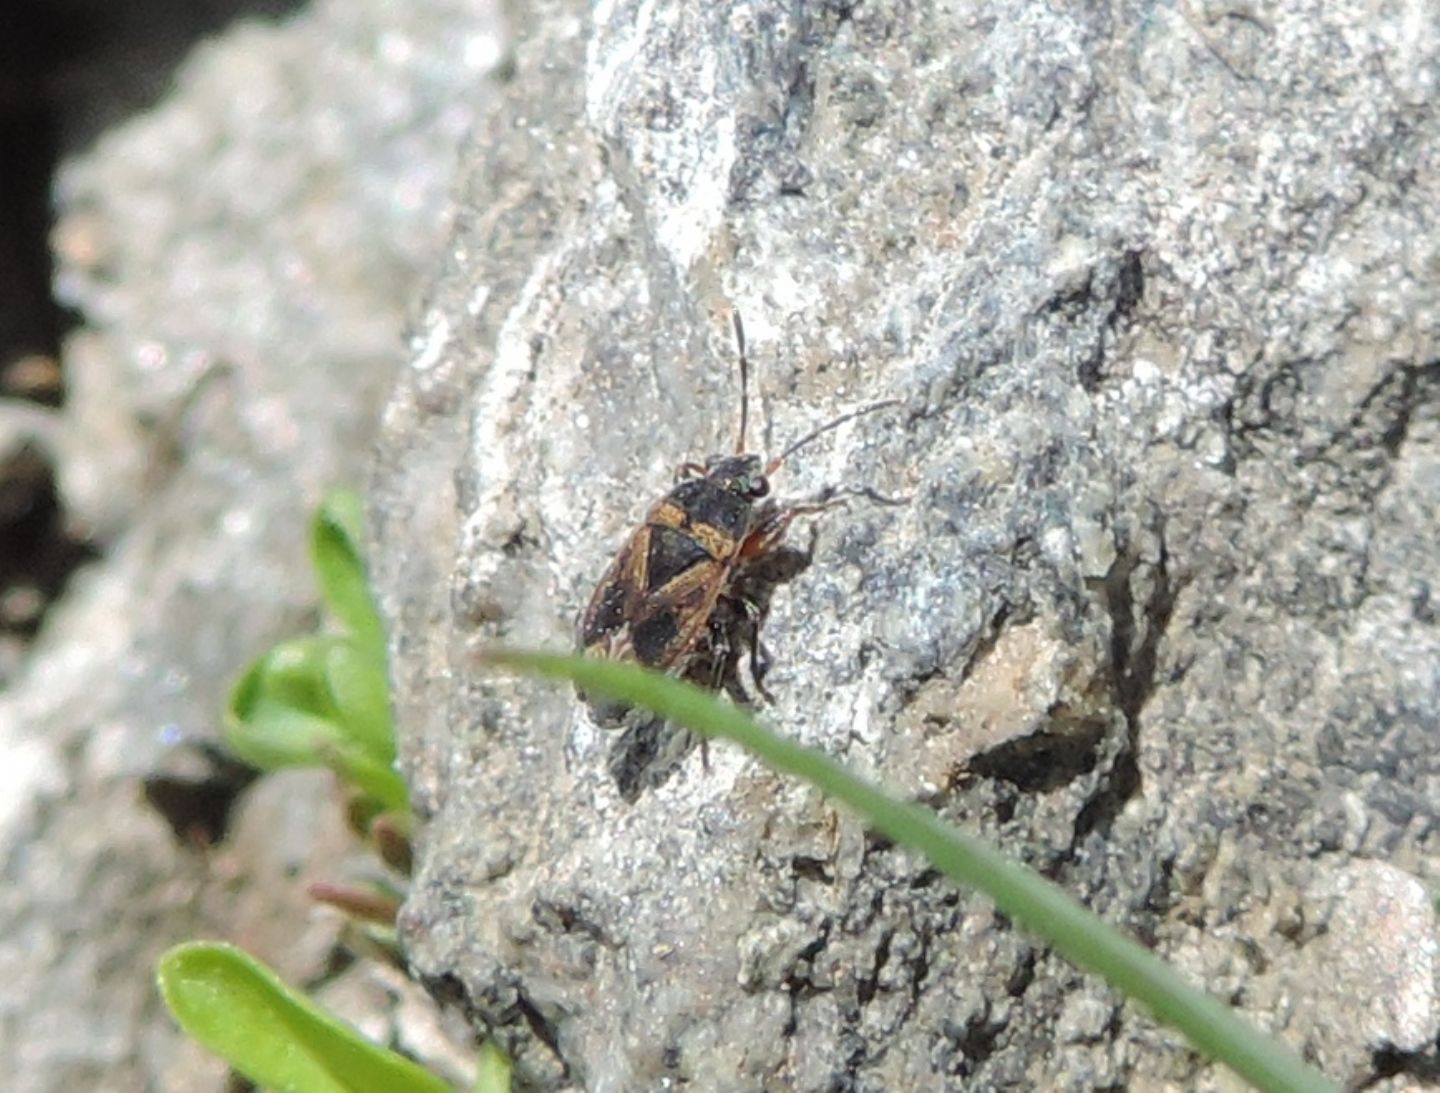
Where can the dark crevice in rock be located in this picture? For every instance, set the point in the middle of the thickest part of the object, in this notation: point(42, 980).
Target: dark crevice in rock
point(1134, 665)
point(1262, 406)
point(1022, 975)
point(1390, 1062)
point(919, 973)
point(671, 1057)
point(1101, 809)
point(1418, 386)
point(798, 984)
point(197, 805)
point(977, 1039)
point(915, 682)
point(1129, 289)
point(1384, 414)
point(866, 986)
point(541, 1027)
point(987, 641)
point(818, 870)
point(450, 993)
point(500, 1020)
point(793, 176)
point(564, 918)
point(1160, 897)
point(1074, 302)
point(848, 1080)
point(38, 550)
point(32, 322)
point(876, 843)
point(340, 959)
point(1003, 809)
point(1134, 651)
point(1121, 281)
point(1043, 761)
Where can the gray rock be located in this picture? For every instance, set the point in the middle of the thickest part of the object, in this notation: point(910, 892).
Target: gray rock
point(1375, 941)
point(243, 257)
point(1158, 288)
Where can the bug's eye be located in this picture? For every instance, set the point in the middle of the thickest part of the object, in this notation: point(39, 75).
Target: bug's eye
point(759, 486)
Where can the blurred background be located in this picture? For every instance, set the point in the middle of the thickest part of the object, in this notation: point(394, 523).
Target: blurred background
point(215, 219)
point(69, 70)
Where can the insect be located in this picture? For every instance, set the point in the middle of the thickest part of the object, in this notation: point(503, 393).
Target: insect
point(680, 596)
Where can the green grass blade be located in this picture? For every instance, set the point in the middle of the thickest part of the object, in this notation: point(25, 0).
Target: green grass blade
point(1031, 900)
point(238, 1008)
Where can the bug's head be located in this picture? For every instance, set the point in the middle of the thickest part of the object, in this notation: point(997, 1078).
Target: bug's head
point(742, 475)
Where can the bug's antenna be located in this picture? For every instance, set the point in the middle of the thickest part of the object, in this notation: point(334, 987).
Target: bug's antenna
point(744, 379)
point(774, 464)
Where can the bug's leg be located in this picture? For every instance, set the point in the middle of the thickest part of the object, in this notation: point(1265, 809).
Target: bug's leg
point(839, 494)
point(736, 630)
point(770, 529)
point(772, 525)
point(720, 668)
point(760, 659)
point(726, 639)
point(689, 470)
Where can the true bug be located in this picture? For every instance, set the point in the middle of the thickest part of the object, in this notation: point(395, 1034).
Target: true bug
point(675, 597)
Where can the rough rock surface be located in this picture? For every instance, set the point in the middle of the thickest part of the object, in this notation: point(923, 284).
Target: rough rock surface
point(243, 257)
point(1160, 289)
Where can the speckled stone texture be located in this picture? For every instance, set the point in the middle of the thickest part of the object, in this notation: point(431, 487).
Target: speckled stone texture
point(241, 257)
point(1159, 287)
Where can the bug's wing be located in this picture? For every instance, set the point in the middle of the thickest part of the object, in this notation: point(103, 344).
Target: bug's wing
point(655, 600)
point(670, 620)
point(603, 627)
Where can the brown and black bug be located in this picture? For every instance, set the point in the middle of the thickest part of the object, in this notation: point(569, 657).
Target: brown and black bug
point(683, 593)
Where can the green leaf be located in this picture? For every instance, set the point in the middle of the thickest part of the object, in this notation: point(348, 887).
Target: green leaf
point(292, 672)
point(492, 1074)
point(281, 712)
point(284, 712)
point(369, 775)
point(361, 694)
point(238, 1008)
point(1028, 898)
point(337, 548)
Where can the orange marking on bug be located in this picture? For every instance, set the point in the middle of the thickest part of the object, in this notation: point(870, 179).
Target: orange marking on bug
point(716, 543)
point(667, 514)
point(696, 577)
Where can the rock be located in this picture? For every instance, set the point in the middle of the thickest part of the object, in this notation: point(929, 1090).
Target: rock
point(242, 257)
point(1369, 960)
point(1158, 291)
point(390, 1008)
